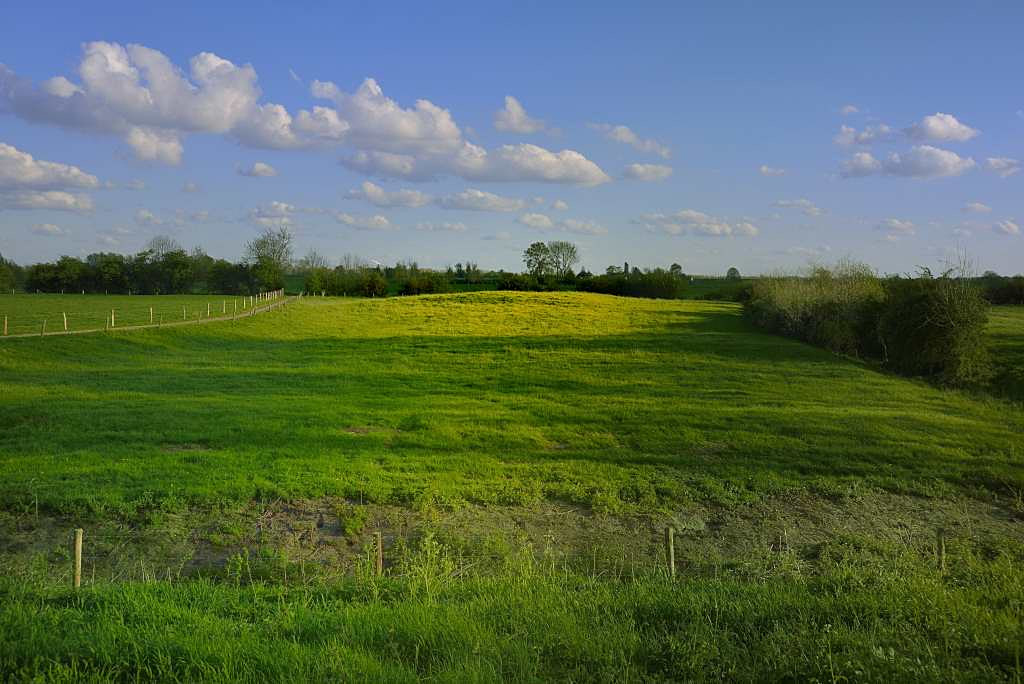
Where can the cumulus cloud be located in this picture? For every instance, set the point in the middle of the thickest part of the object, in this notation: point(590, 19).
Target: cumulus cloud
point(454, 227)
point(20, 170)
point(648, 172)
point(1004, 166)
point(846, 110)
point(376, 222)
point(545, 223)
point(512, 118)
point(382, 198)
point(477, 200)
point(806, 206)
point(49, 230)
point(896, 228)
point(871, 134)
point(976, 208)
point(273, 215)
point(692, 222)
point(258, 170)
point(560, 205)
point(771, 171)
point(921, 161)
point(941, 127)
point(623, 134)
point(137, 94)
point(46, 199)
point(1007, 227)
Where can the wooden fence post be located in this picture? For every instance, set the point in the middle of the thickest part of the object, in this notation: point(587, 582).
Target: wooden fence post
point(223, 306)
point(112, 323)
point(670, 551)
point(77, 567)
point(184, 316)
point(151, 315)
point(65, 315)
point(5, 326)
point(380, 553)
point(207, 309)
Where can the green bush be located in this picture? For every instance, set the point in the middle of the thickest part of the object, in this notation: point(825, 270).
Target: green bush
point(936, 327)
point(655, 284)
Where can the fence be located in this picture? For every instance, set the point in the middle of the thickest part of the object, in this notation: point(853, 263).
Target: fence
point(135, 317)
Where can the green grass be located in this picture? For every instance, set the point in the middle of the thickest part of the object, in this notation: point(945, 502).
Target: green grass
point(26, 312)
point(491, 397)
point(537, 443)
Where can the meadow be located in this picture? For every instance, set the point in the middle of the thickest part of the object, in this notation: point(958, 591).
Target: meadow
point(521, 454)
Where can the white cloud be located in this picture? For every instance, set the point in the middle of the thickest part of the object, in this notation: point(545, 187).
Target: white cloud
point(921, 161)
point(382, 198)
point(46, 199)
point(871, 134)
point(771, 171)
point(808, 252)
point(376, 222)
point(258, 170)
point(623, 134)
point(942, 128)
point(846, 110)
point(560, 205)
point(543, 222)
point(1004, 166)
point(689, 221)
point(48, 229)
point(456, 227)
point(144, 217)
point(1007, 227)
point(273, 215)
point(512, 118)
point(648, 172)
point(806, 206)
point(190, 186)
point(976, 208)
point(152, 144)
point(20, 170)
point(896, 228)
point(525, 162)
point(478, 200)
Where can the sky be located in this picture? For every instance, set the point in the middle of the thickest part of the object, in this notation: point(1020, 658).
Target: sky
point(765, 136)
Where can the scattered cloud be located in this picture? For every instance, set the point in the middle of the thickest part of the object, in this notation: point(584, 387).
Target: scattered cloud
point(921, 161)
point(512, 118)
point(545, 223)
point(896, 228)
point(144, 217)
point(30, 183)
point(456, 227)
point(1004, 166)
point(258, 170)
point(46, 199)
point(376, 222)
point(941, 127)
point(692, 222)
point(806, 206)
point(472, 199)
point(382, 198)
point(871, 134)
point(624, 135)
point(1007, 227)
point(808, 252)
point(500, 235)
point(49, 230)
point(190, 186)
point(976, 208)
point(771, 171)
point(848, 109)
point(648, 172)
point(560, 205)
point(276, 214)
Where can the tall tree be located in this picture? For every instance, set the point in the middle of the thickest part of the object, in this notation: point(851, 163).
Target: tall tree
point(564, 257)
point(537, 258)
point(270, 255)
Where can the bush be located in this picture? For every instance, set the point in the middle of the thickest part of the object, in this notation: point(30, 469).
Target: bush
point(1000, 290)
point(425, 282)
point(656, 284)
point(936, 327)
point(923, 326)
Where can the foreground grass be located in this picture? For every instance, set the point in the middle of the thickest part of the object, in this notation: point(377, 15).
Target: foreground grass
point(619, 404)
point(26, 312)
point(858, 618)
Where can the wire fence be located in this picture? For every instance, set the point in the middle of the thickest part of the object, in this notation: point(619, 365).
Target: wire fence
point(60, 315)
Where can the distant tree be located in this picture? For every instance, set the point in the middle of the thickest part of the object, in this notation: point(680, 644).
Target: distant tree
point(161, 245)
point(270, 255)
point(613, 270)
point(676, 270)
point(564, 257)
point(537, 258)
point(7, 275)
point(733, 273)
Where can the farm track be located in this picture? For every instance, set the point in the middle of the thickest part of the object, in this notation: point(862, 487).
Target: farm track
point(146, 326)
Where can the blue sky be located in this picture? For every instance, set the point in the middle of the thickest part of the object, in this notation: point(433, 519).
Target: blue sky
point(739, 134)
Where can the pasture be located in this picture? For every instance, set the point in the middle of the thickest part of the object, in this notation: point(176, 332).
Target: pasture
point(521, 454)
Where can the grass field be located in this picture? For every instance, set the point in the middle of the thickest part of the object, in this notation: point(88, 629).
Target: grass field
point(521, 453)
point(26, 312)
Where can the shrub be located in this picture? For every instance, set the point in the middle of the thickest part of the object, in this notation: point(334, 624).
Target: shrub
point(656, 284)
point(936, 327)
